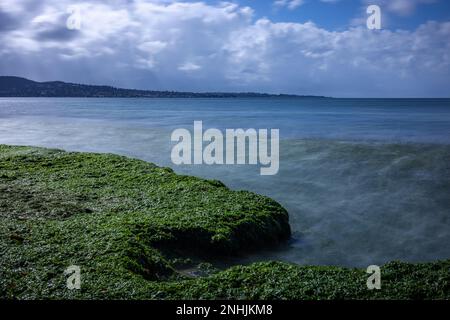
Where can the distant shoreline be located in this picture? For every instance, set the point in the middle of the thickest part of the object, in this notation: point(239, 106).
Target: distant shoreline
point(18, 87)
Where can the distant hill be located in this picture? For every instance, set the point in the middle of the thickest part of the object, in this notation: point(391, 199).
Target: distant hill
point(21, 87)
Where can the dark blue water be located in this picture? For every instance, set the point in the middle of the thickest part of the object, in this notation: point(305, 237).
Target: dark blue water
point(365, 181)
point(416, 120)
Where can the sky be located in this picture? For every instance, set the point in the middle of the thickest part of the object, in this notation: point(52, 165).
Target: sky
point(310, 47)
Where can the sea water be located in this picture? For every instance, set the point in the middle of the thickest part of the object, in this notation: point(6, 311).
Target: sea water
point(365, 181)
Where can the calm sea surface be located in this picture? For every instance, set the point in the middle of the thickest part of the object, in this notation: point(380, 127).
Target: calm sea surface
point(365, 181)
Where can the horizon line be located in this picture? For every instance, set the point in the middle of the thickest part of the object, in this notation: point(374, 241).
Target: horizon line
point(268, 94)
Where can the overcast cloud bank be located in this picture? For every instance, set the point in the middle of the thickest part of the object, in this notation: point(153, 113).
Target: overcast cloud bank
point(202, 47)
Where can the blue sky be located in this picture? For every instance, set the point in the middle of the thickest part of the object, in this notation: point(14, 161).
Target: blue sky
point(338, 15)
point(319, 47)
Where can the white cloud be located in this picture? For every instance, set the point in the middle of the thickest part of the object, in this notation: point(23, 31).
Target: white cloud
point(201, 47)
point(189, 66)
point(290, 4)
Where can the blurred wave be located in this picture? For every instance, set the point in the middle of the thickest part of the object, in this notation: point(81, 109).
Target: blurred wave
point(357, 204)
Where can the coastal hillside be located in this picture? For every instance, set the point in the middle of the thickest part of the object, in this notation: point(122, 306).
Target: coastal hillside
point(21, 87)
point(139, 231)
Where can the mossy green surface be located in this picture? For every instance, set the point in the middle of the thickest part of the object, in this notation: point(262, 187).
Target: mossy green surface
point(128, 224)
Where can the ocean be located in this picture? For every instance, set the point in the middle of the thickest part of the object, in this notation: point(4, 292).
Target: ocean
point(365, 181)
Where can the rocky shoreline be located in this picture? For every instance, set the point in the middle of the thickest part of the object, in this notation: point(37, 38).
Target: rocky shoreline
point(131, 226)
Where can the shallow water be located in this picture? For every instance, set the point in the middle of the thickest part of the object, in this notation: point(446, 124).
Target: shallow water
point(364, 181)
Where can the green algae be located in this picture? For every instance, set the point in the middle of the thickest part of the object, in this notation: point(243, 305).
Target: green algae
point(129, 225)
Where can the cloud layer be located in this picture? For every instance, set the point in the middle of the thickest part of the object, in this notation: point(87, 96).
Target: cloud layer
point(201, 47)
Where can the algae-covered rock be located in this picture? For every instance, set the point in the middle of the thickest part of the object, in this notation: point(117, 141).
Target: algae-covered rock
point(128, 225)
point(123, 214)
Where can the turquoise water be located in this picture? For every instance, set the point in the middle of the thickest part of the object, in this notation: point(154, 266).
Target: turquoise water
point(365, 181)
